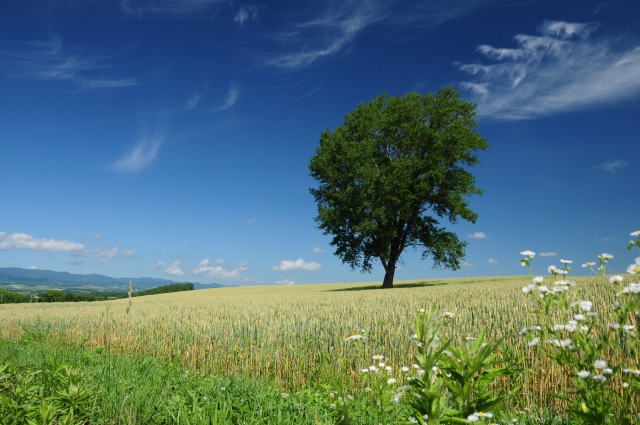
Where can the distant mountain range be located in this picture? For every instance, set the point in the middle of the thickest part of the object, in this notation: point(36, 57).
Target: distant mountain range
point(35, 278)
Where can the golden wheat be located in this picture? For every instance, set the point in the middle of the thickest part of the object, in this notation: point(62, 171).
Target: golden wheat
point(296, 334)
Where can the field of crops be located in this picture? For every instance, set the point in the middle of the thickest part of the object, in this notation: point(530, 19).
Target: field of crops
point(295, 335)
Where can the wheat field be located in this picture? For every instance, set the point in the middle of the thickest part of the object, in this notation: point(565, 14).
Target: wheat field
point(295, 335)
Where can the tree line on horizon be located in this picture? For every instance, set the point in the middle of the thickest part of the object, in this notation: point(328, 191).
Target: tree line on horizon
point(8, 296)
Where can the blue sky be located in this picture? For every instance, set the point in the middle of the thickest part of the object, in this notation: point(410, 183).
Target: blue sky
point(171, 138)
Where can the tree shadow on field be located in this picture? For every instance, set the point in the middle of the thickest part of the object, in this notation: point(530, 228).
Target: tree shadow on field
point(396, 286)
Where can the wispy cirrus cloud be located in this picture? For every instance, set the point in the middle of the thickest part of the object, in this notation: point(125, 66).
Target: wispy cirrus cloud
point(299, 264)
point(477, 235)
point(337, 25)
point(548, 254)
point(142, 154)
point(28, 242)
point(218, 272)
point(612, 165)
point(50, 60)
point(166, 8)
point(230, 100)
point(317, 250)
point(564, 68)
point(332, 32)
point(246, 13)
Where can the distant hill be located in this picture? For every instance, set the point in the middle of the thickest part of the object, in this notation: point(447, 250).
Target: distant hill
point(25, 279)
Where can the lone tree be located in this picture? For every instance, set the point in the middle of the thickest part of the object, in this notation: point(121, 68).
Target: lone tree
point(384, 176)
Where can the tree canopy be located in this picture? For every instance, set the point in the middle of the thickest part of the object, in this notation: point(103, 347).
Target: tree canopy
point(387, 176)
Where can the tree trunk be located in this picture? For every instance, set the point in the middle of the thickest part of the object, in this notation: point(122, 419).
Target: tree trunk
point(390, 270)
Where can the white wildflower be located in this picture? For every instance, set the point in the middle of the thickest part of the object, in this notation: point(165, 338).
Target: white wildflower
point(616, 279)
point(586, 305)
point(600, 364)
point(533, 342)
point(584, 374)
point(391, 381)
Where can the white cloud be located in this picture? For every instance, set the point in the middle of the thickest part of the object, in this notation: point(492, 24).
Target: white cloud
point(108, 255)
point(174, 269)
point(317, 250)
point(141, 156)
point(24, 241)
point(50, 60)
point(335, 29)
point(548, 254)
point(167, 8)
point(477, 235)
point(33, 268)
point(128, 252)
point(493, 261)
point(158, 265)
point(561, 69)
point(219, 272)
point(219, 261)
point(193, 100)
point(466, 264)
point(285, 282)
point(246, 13)
point(232, 97)
point(299, 264)
point(612, 166)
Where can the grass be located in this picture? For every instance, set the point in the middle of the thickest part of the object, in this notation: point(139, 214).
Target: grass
point(293, 336)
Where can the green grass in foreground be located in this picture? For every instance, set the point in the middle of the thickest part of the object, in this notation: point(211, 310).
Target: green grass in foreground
point(143, 390)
